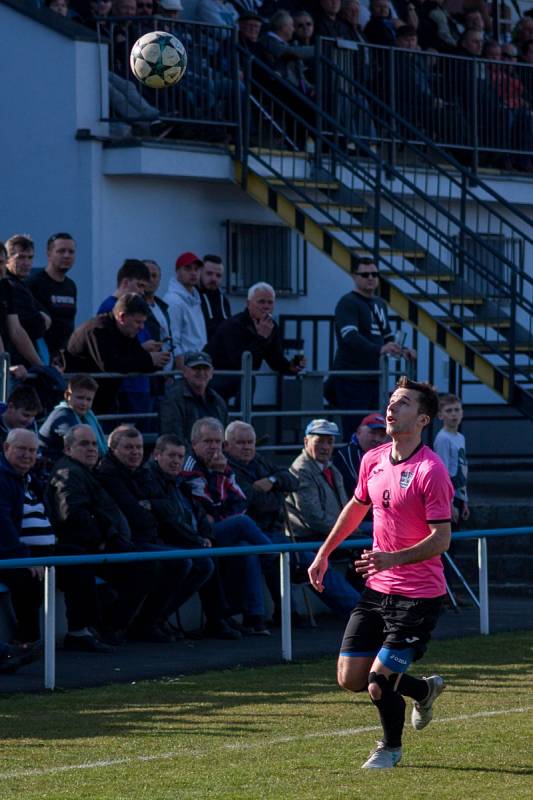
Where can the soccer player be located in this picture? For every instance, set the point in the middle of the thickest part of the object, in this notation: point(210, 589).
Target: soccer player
point(410, 491)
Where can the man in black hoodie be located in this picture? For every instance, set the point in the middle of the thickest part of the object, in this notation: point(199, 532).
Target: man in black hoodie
point(215, 304)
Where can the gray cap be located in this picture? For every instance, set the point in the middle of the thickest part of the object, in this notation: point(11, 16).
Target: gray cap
point(197, 358)
point(322, 427)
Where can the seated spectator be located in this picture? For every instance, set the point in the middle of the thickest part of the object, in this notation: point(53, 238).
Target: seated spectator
point(370, 433)
point(523, 31)
point(381, 28)
point(215, 304)
point(353, 15)
point(250, 25)
point(217, 12)
point(437, 29)
point(191, 398)
point(108, 343)
point(56, 292)
point(135, 395)
point(329, 22)
point(283, 57)
point(26, 532)
point(316, 504)
point(170, 9)
point(57, 6)
point(252, 330)
point(84, 515)
point(127, 481)
point(33, 319)
point(22, 407)
point(213, 485)
point(304, 28)
point(75, 409)
point(94, 16)
point(183, 523)
point(185, 308)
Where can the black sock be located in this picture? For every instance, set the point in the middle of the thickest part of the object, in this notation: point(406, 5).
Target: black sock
point(417, 688)
point(391, 709)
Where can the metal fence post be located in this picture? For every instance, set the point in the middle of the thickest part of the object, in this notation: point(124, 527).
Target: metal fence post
point(483, 568)
point(286, 629)
point(247, 388)
point(49, 627)
point(4, 377)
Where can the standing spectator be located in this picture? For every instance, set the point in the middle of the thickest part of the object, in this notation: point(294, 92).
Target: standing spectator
point(56, 292)
point(22, 407)
point(75, 409)
point(171, 9)
point(371, 433)
point(356, 17)
point(215, 304)
point(158, 321)
point(84, 515)
point(252, 330)
point(127, 481)
point(450, 445)
point(217, 12)
point(381, 28)
point(183, 523)
point(213, 485)
point(33, 320)
point(12, 334)
point(329, 22)
point(316, 503)
point(108, 343)
point(133, 276)
point(363, 335)
point(250, 25)
point(185, 307)
point(437, 30)
point(25, 532)
point(191, 398)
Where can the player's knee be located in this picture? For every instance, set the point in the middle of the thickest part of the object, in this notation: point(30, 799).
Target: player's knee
point(378, 685)
point(349, 679)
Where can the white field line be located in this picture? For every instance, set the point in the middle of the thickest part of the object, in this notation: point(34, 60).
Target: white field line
point(237, 746)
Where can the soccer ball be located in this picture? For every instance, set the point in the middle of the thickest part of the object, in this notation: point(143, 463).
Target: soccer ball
point(158, 59)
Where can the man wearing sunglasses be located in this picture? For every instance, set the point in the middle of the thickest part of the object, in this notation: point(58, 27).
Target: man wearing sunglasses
point(363, 334)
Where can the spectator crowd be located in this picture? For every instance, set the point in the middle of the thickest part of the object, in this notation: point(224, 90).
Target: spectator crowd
point(435, 94)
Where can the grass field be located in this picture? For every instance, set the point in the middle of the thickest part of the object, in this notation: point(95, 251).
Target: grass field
point(276, 732)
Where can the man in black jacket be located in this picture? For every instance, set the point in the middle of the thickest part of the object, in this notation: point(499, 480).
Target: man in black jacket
point(108, 343)
point(183, 523)
point(191, 399)
point(83, 514)
point(122, 475)
point(254, 330)
point(215, 304)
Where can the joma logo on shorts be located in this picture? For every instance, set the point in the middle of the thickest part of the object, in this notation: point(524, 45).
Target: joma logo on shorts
point(398, 659)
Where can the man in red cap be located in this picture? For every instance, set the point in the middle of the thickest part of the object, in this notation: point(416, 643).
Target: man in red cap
point(185, 308)
point(370, 433)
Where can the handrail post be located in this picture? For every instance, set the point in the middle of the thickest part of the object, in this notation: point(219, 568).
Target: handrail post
point(246, 386)
point(286, 630)
point(4, 377)
point(483, 569)
point(49, 627)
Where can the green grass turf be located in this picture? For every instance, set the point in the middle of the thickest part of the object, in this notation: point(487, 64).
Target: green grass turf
point(276, 732)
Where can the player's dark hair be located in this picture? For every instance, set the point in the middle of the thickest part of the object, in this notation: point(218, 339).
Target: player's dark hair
point(362, 261)
point(168, 440)
point(448, 400)
point(82, 382)
point(131, 303)
point(22, 240)
point(213, 259)
point(428, 402)
point(133, 269)
point(56, 236)
point(27, 398)
point(3, 249)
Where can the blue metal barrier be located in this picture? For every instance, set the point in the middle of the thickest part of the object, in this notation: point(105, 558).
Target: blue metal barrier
point(284, 551)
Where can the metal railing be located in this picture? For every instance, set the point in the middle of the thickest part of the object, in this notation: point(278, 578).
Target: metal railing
point(284, 550)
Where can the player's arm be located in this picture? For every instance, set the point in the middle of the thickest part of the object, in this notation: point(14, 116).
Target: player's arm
point(351, 515)
point(436, 543)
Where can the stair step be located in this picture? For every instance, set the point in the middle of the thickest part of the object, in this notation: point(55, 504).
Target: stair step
point(359, 228)
point(269, 151)
point(331, 186)
point(454, 300)
point(503, 346)
point(423, 276)
point(475, 322)
point(331, 204)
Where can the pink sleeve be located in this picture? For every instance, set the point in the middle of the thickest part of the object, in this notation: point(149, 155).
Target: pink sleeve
point(438, 493)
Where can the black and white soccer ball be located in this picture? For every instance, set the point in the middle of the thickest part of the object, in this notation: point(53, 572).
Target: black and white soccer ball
point(158, 59)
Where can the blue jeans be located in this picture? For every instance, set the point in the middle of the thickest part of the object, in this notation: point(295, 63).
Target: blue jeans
point(339, 595)
point(242, 530)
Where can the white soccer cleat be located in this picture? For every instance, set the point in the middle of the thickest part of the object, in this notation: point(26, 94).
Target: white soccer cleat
point(422, 713)
point(383, 757)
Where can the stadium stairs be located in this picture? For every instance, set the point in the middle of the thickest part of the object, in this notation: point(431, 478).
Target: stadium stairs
point(436, 229)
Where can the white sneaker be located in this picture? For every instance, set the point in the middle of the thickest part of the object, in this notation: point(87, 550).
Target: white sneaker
point(422, 713)
point(383, 757)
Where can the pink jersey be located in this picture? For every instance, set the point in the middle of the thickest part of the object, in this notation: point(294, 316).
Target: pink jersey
point(405, 497)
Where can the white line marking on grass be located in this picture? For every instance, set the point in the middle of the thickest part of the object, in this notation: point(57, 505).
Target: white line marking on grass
point(117, 762)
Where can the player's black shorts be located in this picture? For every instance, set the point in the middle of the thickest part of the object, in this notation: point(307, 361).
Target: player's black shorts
point(390, 620)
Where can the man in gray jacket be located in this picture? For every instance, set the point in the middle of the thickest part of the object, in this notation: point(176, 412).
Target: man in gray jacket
point(316, 504)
